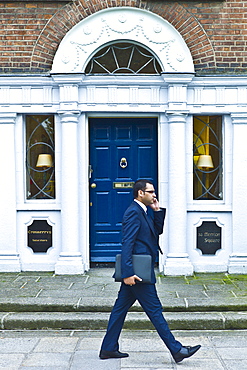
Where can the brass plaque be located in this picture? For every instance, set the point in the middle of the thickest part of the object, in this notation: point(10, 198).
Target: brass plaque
point(123, 185)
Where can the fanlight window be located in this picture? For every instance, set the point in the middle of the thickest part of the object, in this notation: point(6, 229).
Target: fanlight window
point(123, 58)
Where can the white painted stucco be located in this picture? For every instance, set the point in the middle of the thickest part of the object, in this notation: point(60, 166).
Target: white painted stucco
point(125, 23)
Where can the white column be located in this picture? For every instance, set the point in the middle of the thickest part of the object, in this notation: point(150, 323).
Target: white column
point(9, 257)
point(177, 261)
point(70, 259)
point(163, 183)
point(83, 156)
point(238, 258)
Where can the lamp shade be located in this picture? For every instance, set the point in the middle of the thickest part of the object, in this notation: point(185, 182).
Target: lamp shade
point(44, 160)
point(205, 161)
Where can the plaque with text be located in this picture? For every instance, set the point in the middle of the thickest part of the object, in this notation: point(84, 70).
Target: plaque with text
point(209, 237)
point(39, 236)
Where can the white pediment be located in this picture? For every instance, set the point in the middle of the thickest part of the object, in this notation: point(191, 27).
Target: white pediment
point(125, 24)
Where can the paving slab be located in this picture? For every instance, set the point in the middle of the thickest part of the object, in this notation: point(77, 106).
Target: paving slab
point(11, 361)
point(17, 345)
point(54, 361)
point(78, 350)
point(56, 345)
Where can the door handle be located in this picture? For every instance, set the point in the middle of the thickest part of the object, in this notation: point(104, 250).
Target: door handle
point(90, 170)
point(93, 185)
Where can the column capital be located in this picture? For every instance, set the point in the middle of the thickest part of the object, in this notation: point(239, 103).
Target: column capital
point(7, 118)
point(177, 115)
point(69, 116)
point(239, 118)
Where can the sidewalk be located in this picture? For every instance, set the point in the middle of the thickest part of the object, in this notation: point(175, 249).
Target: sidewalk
point(78, 350)
point(40, 300)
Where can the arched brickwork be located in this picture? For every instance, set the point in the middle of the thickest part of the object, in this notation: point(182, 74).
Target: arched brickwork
point(192, 32)
point(215, 31)
point(65, 18)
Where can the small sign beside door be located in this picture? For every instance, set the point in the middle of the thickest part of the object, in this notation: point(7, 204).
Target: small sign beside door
point(209, 237)
point(39, 235)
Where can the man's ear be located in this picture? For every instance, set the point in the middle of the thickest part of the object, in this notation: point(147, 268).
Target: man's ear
point(140, 193)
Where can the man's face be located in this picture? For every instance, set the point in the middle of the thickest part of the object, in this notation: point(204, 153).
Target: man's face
point(148, 195)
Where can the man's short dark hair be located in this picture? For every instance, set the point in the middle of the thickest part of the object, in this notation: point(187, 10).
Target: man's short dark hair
point(140, 185)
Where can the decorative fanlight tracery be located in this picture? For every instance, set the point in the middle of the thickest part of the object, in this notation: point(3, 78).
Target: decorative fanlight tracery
point(123, 58)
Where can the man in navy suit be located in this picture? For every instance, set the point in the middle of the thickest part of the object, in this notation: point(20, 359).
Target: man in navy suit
point(140, 236)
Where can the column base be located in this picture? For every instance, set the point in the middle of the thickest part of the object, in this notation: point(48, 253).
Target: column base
point(10, 263)
point(69, 264)
point(178, 265)
point(237, 264)
point(210, 267)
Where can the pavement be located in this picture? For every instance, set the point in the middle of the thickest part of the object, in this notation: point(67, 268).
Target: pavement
point(58, 322)
point(43, 300)
point(78, 350)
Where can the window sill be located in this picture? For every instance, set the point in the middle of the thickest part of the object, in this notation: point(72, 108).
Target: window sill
point(39, 206)
point(200, 207)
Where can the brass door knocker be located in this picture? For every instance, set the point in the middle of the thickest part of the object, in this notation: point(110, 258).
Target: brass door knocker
point(123, 163)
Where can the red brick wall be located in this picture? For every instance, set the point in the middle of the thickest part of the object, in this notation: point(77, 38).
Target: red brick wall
point(215, 32)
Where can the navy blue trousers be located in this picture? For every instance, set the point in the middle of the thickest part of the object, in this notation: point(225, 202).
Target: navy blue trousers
point(146, 295)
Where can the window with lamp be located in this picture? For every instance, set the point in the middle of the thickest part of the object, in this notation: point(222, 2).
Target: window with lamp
point(207, 158)
point(40, 148)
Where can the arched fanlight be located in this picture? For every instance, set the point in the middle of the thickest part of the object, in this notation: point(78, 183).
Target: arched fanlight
point(123, 58)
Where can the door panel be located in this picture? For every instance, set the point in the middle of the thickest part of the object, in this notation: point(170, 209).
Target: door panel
point(122, 150)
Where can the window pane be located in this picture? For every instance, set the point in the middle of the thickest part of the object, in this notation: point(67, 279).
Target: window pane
point(123, 58)
point(40, 167)
point(207, 157)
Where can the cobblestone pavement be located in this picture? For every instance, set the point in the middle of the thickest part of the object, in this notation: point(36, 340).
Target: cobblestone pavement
point(78, 350)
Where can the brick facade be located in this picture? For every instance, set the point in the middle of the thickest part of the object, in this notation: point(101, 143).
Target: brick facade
point(215, 32)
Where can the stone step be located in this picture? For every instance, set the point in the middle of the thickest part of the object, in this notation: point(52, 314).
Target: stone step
point(98, 304)
point(134, 320)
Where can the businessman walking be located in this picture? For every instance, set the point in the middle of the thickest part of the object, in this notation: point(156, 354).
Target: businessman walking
point(140, 235)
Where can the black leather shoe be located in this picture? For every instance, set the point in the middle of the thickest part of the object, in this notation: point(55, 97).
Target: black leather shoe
point(185, 352)
point(111, 354)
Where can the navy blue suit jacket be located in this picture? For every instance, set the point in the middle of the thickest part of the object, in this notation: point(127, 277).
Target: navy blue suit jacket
point(140, 235)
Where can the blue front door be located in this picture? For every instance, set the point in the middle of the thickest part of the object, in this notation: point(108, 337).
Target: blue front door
point(122, 150)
